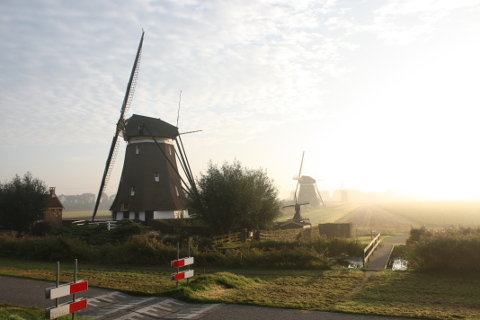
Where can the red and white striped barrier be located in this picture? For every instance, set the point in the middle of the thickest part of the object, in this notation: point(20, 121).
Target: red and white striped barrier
point(66, 289)
point(66, 309)
point(182, 275)
point(182, 262)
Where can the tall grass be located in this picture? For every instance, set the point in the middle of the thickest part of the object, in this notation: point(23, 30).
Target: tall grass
point(16, 312)
point(322, 245)
point(131, 243)
point(454, 249)
point(149, 249)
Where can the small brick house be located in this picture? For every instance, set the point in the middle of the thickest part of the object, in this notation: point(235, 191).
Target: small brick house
point(54, 212)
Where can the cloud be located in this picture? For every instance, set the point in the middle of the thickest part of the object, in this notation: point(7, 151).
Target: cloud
point(248, 71)
point(72, 63)
point(403, 22)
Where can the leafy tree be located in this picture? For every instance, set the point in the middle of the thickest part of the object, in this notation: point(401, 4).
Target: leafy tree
point(232, 197)
point(22, 202)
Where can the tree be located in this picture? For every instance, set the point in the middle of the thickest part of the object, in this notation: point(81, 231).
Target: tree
point(232, 197)
point(23, 201)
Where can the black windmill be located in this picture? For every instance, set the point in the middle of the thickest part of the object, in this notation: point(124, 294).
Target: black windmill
point(151, 186)
point(297, 204)
point(307, 189)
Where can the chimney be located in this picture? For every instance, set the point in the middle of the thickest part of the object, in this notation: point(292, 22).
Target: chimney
point(52, 192)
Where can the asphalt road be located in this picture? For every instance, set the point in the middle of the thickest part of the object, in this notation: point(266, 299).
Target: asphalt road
point(107, 304)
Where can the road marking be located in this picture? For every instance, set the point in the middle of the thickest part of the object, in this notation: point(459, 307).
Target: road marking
point(120, 306)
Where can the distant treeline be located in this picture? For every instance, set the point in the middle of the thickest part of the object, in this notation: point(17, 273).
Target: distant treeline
point(85, 201)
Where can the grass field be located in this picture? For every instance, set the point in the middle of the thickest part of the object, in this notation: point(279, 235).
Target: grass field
point(406, 294)
point(86, 215)
point(437, 214)
point(322, 214)
point(316, 215)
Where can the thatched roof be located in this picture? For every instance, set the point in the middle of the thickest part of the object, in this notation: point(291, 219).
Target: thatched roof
point(158, 128)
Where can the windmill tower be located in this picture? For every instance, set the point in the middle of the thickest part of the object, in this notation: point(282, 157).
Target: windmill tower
point(308, 192)
point(297, 204)
point(343, 195)
point(307, 189)
point(151, 186)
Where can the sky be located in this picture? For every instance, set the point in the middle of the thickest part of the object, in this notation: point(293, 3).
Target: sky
point(380, 95)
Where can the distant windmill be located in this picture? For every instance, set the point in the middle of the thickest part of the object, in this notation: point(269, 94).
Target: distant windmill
point(343, 195)
point(151, 186)
point(308, 190)
point(296, 203)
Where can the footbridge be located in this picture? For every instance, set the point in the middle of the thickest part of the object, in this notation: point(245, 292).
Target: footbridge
point(377, 255)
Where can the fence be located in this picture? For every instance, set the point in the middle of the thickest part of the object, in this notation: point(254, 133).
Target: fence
point(279, 235)
point(368, 251)
point(110, 223)
point(230, 238)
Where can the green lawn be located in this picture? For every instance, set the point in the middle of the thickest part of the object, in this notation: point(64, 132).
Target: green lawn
point(86, 215)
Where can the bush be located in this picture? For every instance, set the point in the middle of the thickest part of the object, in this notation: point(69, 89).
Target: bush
point(142, 249)
point(450, 249)
point(99, 234)
point(50, 248)
point(151, 249)
point(327, 247)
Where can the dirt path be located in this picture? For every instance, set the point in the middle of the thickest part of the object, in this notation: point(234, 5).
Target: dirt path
point(369, 217)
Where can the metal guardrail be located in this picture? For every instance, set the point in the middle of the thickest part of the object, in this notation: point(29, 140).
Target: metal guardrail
point(368, 251)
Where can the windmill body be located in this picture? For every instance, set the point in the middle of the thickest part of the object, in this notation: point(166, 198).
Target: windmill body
point(150, 186)
point(308, 192)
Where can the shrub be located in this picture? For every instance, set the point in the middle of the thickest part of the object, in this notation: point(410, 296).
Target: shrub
point(450, 249)
point(322, 245)
point(50, 248)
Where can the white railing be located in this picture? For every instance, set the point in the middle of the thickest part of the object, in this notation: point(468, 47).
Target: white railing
point(110, 223)
point(368, 251)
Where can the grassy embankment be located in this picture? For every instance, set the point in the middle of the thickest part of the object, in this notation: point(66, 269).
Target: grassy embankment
point(428, 295)
point(406, 294)
point(14, 312)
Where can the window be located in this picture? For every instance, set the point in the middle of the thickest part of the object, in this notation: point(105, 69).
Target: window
point(137, 149)
point(132, 191)
point(157, 177)
point(176, 190)
point(125, 206)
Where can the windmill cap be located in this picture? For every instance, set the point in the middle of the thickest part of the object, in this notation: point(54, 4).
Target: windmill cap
point(306, 180)
point(158, 128)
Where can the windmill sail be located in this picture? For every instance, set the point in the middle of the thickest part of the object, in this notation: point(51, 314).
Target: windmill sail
point(120, 128)
point(298, 179)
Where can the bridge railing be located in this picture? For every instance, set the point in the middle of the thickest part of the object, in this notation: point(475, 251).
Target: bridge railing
point(368, 251)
